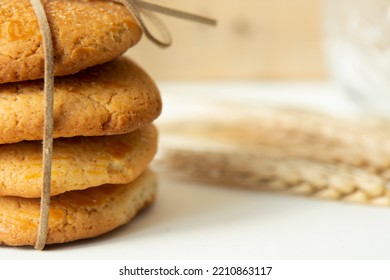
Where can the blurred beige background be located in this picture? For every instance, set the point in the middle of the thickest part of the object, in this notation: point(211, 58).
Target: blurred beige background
point(254, 39)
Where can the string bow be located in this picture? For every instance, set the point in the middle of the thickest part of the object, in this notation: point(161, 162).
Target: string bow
point(136, 7)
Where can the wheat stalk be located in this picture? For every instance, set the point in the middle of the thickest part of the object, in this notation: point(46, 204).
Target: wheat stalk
point(291, 151)
point(287, 174)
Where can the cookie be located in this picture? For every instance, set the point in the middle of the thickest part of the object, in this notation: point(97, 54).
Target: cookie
point(76, 214)
point(85, 33)
point(78, 163)
point(114, 98)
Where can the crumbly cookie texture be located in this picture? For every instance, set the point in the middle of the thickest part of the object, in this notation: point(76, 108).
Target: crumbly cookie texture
point(85, 33)
point(77, 214)
point(78, 163)
point(114, 98)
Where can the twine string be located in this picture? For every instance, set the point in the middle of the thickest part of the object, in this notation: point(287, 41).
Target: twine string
point(47, 150)
point(134, 6)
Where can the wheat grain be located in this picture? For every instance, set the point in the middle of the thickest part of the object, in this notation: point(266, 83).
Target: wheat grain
point(292, 151)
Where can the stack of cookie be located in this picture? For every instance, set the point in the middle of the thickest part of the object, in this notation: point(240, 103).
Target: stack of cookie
point(103, 109)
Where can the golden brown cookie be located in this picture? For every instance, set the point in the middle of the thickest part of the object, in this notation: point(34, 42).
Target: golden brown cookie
point(78, 163)
point(85, 33)
point(76, 214)
point(114, 98)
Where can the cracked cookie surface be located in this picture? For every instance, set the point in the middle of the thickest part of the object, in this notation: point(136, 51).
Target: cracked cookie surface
point(114, 98)
point(77, 214)
point(78, 163)
point(85, 33)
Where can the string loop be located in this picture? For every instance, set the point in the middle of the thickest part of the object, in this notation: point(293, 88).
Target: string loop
point(138, 6)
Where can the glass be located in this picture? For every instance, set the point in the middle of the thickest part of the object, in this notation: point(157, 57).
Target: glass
point(358, 50)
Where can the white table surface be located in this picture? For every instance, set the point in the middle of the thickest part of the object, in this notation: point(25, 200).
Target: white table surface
point(197, 221)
